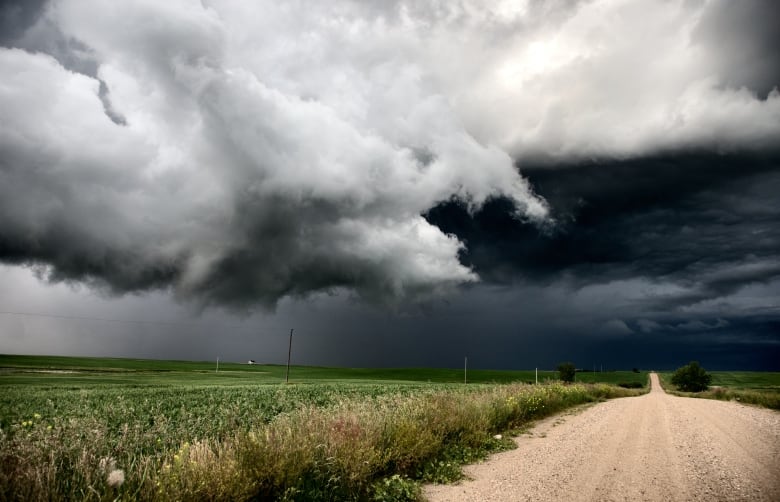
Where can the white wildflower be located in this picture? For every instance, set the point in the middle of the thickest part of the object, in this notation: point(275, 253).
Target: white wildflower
point(116, 478)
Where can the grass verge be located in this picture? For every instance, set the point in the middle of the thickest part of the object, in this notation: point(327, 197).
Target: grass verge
point(764, 397)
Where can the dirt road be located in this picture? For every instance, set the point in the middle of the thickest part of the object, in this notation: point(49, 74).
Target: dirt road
point(655, 447)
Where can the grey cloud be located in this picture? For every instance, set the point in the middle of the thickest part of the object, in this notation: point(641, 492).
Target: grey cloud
point(648, 326)
point(17, 16)
point(115, 116)
point(698, 325)
point(34, 31)
point(727, 281)
point(520, 327)
point(616, 327)
point(747, 36)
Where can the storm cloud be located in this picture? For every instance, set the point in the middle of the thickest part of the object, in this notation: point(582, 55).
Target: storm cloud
point(240, 153)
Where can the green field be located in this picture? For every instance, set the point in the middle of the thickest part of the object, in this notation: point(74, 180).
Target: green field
point(739, 380)
point(755, 380)
point(749, 387)
point(80, 371)
point(179, 430)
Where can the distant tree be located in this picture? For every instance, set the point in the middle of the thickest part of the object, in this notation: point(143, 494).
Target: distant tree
point(635, 370)
point(566, 371)
point(691, 378)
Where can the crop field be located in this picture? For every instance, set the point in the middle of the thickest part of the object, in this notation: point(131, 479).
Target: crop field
point(78, 371)
point(106, 429)
point(747, 380)
point(68, 370)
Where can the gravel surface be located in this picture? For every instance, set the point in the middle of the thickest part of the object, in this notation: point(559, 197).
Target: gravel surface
point(655, 447)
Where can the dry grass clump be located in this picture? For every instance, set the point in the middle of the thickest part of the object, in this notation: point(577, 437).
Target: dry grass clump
point(357, 449)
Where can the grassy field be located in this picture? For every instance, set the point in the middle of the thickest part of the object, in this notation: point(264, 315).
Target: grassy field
point(78, 371)
point(746, 380)
point(108, 429)
point(749, 387)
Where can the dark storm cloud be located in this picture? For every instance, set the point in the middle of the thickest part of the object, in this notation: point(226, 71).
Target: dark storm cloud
point(680, 217)
point(240, 153)
point(666, 255)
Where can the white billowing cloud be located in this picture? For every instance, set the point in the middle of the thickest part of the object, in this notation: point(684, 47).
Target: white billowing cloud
point(556, 80)
point(224, 183)
point(274, 149)
point(614, 78)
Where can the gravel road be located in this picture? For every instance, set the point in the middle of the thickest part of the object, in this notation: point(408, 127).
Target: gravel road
point(655, 447)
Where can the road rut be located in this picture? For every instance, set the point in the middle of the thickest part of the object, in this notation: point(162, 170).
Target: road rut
point(654, 447)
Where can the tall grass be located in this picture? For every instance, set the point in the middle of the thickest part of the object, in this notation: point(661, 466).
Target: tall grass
point(365, 448)
point(766, 398)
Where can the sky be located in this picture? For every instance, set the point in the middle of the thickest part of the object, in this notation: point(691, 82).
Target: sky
point(402, 183)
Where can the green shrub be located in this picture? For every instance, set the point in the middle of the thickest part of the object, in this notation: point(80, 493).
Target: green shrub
point(566, 371)
point(691, 378)
point(396, 489)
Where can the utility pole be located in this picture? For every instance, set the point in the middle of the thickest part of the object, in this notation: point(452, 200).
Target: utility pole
point(289, 353)
point(537, 376)
point(217, 366)
point(465, 369)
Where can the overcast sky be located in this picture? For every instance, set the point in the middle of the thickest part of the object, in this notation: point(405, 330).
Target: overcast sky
point(404, 183)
